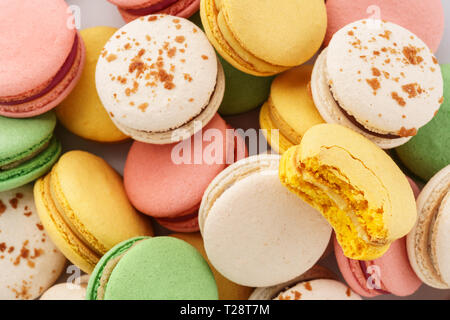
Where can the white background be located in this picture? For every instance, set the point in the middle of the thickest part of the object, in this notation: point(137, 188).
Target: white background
point(100, 12)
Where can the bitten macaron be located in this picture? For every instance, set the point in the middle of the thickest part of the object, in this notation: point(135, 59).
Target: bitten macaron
point(227, 290)
point(318, 283)
point(423, 18)
point(41, 56)
point(378, 79)
point(290, 109)
point(160, 268)
point(28, 149)
point(83, 207)
point(29, 261)
point(355, 185)
point(167, 182)
point(264, 38)
point(133, 9)
point(256, 233)
point(428, 242)
point(429, 151)
point(82, 112)
point(157, 76)
point(68, 291)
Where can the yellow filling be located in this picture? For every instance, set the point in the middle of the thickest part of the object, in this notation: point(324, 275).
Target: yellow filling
point(360, 229)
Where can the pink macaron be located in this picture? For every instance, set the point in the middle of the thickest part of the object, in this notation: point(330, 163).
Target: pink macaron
point(167, 182)
point(390, 274)
point(41, 56)
point(133, 9)
point(423, 18)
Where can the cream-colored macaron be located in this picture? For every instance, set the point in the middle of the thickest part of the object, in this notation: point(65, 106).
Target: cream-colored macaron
point(68, 291)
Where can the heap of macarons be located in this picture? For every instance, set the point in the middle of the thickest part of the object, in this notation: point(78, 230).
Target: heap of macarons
point(349, 96)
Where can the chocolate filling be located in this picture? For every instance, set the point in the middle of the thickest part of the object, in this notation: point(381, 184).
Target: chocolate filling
point(360, 126)
point(151, 9)
point(367, 275)
point(62, 73)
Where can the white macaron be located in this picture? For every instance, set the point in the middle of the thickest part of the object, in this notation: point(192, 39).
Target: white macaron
point(379, 79)
point(157, 76)
point(257, 233)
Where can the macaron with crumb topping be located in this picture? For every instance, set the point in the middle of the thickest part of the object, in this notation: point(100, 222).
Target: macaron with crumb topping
point(159, 79)
point(378, 79)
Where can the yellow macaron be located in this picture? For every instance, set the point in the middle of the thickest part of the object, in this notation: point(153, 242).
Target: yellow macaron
point(83, 206)
point(290, 109)
point(227, 290)
point(355, 185)
point(263, 38)
point(82, 112)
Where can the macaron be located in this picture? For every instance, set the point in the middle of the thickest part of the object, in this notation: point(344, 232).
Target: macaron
point(390, 274)
point(290, 109)
point(264, 38)
point(160, 268)
point(157, 77)
point(29, 261)
point(82, 112)
point(167, 182)
point(316, 272)
point(256, 233)
point(355, 185)
point(68, 291)
point(429, 151)
point(80, 202)
point(379, 80)
point(243, 92)
point(28, 149)
point(41, 56)
point(227, 290)
point(133, 9)
point(423, 18)
point(428, 242)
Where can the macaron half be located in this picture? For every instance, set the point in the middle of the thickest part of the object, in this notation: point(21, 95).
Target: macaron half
point(160, 268)
point(429, 151)
point(290, 109)
point(256, 233)
point(28, 149)
point(263, 38)
point(82, 112)
point(133, 9)
point(68, 291)
point(356, 186)
point(41, 56)
point(29, 261)
point(428, 242)
point(157, 76)
point(83, 206)
point(379, 80)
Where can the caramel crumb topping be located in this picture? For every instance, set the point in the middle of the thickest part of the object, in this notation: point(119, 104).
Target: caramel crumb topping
point(401, 102)
point(374, 84)
point(2, 207)
point(297, 295)
point(441, 100)
point(411, 54)
point(127, 46)
point(412, 89)
point(14, 202)
point(386, 34)
point(205, 57)
point(386, 74)
point(351, 33)
point(152, 18)
point(308, 286)
point(376, 72)
point(348, 292)
point(407, 132)
point(111, 57)
point(187, 77)
point(180, 39)
point(435, 61)
point(143, 107)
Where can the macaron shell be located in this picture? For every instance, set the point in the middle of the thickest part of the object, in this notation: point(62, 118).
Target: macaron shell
point(274, 137)
point(23, 45)
point(248, 20)
point(227, 290)
point(183, 224)
point(181, 8)
point(161, 268)
point(321, 289)
point(29, 261)
point(246, 194)
point(423, 18)
point(429, 151)
point(403, 83)
point(67, 291)
point(441, 239)
point(82, 112)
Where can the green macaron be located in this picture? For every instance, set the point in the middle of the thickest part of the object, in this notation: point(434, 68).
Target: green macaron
point(429, 151)
point(243, 92)
point(160, 268)
point(28, 149)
